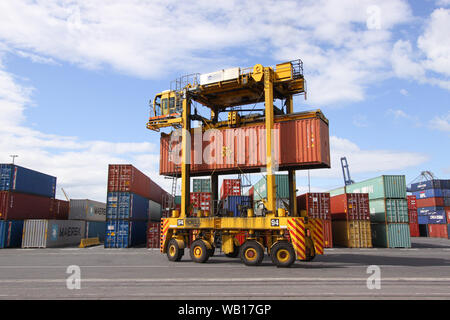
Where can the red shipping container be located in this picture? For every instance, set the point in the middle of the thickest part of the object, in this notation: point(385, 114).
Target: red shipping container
point(317, 205)
point(241, 237)
point(60, 209)
point(230, 187)
point(414, 229)
point(298, 144)
point(430, 202)
point(126, 178)
point(201, 200)
point(350, 206)
point(20, 206)
point(412, 204)
point(438, 231)
point(153, 235)
point(412, 215)
point(447, 211)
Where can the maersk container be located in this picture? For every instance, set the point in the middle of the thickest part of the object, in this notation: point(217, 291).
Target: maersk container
point(125, 233)
point(391, 235)
point(95, 229)
point(126, 205)
point(428, 193)
point(85, 209)
point(389, 210)
point(20, 179)
point(11, 233)
point(281, 189)
point(154, 211)
point(386, 186)
point(237, 204)
point(52, 233)
point(430, 184)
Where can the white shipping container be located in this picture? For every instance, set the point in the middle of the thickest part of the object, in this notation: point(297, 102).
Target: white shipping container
point(222, 75)
point(52, 233)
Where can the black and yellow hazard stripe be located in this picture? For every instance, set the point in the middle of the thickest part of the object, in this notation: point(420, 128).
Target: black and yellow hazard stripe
point(296, 229)
point(164, 228)
point(317, 235)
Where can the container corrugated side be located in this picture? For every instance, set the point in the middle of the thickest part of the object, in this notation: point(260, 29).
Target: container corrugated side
point(11, 234)
point(438, 231)
point(316, 204)
point(346, 233)
point(85, 209)
point(20, 206)
point(435, 215)
point(430, 184)
point(153, 235)
point(238, 205)
point(414, 229)
point(386, 186)
point(24, 180)
point(52, 233)
point(391, 235)
point(389, 210)
point(430, 202)
point(125, 233)
point(308, 148)
point(428, 193)
point(126, 205)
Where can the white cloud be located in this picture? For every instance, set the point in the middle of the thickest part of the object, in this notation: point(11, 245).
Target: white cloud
point(150, 39)
point(360, 120)
point(441, 123)
point(404, 92)
point(443, 3)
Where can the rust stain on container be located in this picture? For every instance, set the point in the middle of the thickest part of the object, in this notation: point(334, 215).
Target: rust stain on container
point(298, 144)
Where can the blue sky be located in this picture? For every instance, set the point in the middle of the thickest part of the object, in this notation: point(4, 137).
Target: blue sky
point(75, 79)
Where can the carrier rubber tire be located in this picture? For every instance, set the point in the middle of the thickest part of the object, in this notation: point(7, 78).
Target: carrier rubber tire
point(199, 251)
point(174, 253)
point(251, 253)
point(282, 254)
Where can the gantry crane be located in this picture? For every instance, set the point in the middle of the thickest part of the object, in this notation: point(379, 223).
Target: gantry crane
point(285, 237)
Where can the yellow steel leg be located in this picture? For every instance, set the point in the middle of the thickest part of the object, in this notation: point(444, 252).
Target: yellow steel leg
point(268, 93)
point(291, 173)
point(186, 155)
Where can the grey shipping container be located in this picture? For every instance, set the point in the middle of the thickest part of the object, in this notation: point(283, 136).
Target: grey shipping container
point(154, 211)
point(52, 233)
point(88, 210)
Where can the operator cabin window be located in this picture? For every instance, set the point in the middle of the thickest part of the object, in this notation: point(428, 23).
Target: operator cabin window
point(172, 105)
point(164, 107)
point(157, 107)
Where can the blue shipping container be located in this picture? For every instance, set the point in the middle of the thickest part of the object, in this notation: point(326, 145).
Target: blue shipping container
point(126, 205)
point(237, 204)
point(428, 193)
point(435, 215)
point(430, 184)
point(96, 229)
point(19, 179)
point(11, 234)
point(422, 219)
point(125, 233)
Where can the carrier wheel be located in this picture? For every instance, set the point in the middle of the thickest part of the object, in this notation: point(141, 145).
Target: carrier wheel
point(252, 253)
point(199, 251)
point(174, 253)
point(282, 254)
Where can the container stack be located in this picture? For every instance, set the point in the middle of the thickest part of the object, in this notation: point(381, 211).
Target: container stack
point(92, 214)
point(317, 206)
point(388, 210)
point(433, 203)
point(26, 194)
point(201, 201)
point(133, 200)
point(350, 217)
point(412, 215)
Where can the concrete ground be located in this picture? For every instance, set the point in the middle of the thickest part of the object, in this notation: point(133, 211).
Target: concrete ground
point(422, 272)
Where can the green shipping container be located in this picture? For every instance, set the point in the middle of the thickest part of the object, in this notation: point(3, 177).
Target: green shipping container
point(201, 185)
point(282, 187)
point(393, 186)
point(389, 210)
point(391, 235)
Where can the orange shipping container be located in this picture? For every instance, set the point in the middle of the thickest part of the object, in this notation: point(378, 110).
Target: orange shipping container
point(298, 144)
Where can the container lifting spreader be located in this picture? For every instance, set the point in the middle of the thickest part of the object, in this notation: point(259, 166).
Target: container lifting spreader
point(285, 235)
